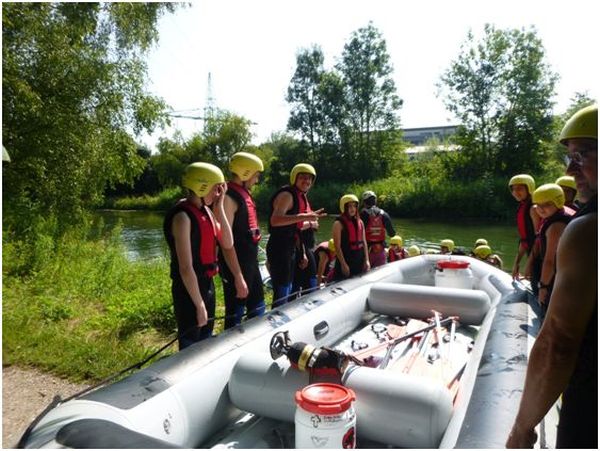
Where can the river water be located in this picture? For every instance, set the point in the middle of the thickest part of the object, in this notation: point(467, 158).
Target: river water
point(143, 237)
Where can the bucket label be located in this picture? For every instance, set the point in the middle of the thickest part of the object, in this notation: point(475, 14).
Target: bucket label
point(349, 439)
point(329, 420)
point(316, 420)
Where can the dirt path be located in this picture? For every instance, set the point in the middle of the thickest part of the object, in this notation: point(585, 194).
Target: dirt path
point(25, 393)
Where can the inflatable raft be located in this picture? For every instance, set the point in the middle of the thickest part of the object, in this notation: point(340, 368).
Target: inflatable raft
point(431, 366)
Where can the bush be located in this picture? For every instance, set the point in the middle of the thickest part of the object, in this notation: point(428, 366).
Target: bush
point(85, 311)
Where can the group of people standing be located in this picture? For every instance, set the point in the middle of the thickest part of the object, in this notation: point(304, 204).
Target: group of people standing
point(215, 229)
point(562, 249)
point(558, 235)
point(542, 217)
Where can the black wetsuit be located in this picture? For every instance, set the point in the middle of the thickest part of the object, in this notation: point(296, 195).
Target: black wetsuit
point(246, 248)
point(183, 306)
point(281, 251)
point(353, 251)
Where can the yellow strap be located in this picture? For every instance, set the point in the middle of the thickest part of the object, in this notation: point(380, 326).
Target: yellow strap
point(304, 356)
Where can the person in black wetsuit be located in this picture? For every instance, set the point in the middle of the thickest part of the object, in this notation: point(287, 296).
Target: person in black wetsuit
point(193, 232)
point(564, 358)
point(242, 282)
point(291, 226)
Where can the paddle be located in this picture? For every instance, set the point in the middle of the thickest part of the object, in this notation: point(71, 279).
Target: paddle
point(412, 326)
point(372, 350)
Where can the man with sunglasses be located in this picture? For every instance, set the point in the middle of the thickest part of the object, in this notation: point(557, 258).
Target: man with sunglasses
point(564, 358)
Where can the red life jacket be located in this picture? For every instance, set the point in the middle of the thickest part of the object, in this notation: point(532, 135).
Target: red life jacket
point(209, 234)
point(375, 229)
point(354, 233)
point(303, 204)
point(525, 224)
point(396, 255)
point(253, 227)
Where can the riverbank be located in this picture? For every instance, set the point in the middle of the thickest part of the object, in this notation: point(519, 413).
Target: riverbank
point(402, 197)
point(25, 393)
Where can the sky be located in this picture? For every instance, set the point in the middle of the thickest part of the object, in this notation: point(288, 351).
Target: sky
point(249, 47)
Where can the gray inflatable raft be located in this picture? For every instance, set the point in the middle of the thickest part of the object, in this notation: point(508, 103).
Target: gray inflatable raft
point(229, 392)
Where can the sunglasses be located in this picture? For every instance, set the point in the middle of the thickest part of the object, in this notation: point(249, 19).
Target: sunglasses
point(576, 157)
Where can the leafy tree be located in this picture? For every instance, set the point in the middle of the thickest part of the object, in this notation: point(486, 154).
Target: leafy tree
point(303, 94)
point(371, 100)
point(225, 134)
point(501, 89)
point(73, 91)
point(146, 183)
point(347, 117)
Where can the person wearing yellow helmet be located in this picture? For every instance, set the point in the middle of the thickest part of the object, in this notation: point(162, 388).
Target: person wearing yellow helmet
point(580, 135)
point(414, 250)
point(350, 242)
point(193, 231)
point(569, 187)
point(481, 242)
point(292, 225)
point(549, 200)
point(522, 187)
point(478, 242)
point(448, 247)
point(564, 357)
point(396, 251)
point(484, 253)
point(242, 282)
point(377, 223)
point(325, 258)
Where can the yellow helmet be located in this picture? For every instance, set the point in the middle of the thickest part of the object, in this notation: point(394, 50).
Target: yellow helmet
point(245, 165)
point(481, 242)
point(331, 245)
point(447, 243)
point(301, 168)
point(414, 250)
point(345, 199)
point(550, 192)
point(568, 181)
point(396, 239)
point(523, 179)
point(482, 251)
point(201, 177)
point(583, 124)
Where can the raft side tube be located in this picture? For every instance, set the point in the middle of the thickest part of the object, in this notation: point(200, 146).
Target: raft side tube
point(397, 409)
point(94, 433)
point(417, 301)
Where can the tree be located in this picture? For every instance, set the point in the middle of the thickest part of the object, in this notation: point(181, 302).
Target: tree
point(225, 134)
point(501, 89)
point(371, 99)
point(347, 117)
point(73, 93)
point(303, 94)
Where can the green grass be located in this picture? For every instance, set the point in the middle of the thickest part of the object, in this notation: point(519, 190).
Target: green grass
point(85, 311)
